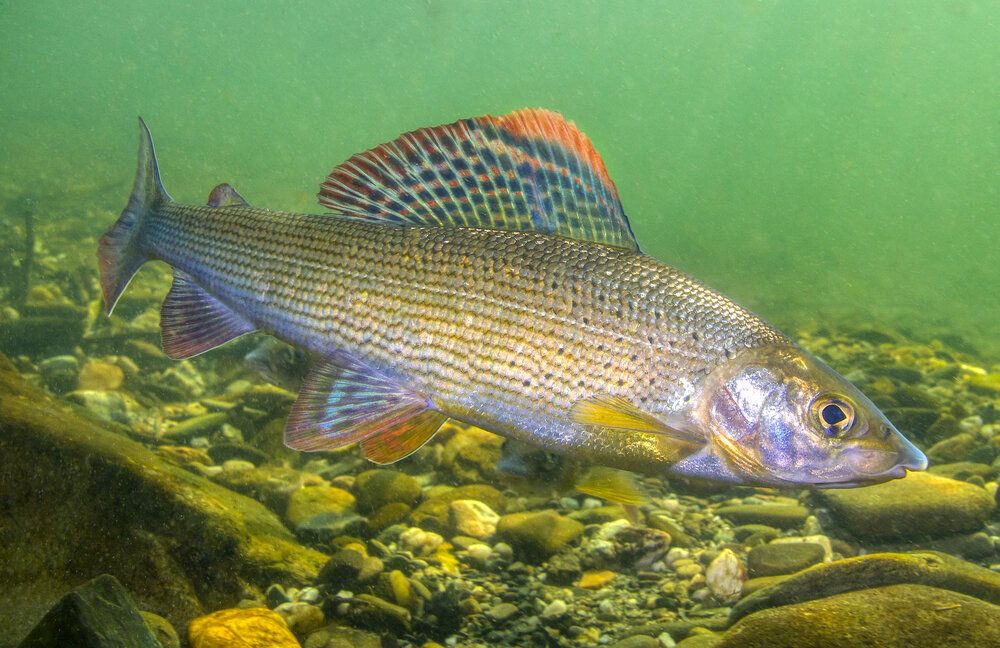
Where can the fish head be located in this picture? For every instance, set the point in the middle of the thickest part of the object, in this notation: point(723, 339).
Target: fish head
point(781, 416)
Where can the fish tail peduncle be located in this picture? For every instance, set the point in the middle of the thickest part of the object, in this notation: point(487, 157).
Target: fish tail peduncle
point(120, 253)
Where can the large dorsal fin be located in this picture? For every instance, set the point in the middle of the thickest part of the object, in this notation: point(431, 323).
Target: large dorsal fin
point(528, 170)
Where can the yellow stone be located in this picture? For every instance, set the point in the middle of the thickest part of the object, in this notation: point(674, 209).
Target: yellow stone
point(596, 579)
point(249, 628)
point(100, 376)
point(445, 559)
point(402, 592)
point(989, 383)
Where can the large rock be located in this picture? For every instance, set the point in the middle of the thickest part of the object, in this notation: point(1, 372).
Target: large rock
point(98, 614)
point(89, 501)
point(874, 570)
point(916, 507)
point(897, 616)
point(241, 628)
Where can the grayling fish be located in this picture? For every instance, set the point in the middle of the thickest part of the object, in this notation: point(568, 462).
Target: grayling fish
point(485, 271)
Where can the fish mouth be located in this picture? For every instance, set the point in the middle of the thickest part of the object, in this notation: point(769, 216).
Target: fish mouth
point(909, 459)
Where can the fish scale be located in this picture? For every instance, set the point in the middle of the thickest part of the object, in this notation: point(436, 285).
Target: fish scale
point(471, 314)
point(485, 271)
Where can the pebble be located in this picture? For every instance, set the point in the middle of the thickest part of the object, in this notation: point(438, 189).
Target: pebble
point(593, 580)
point(725, 576)
point(98, 375)
point(59, 373)
point(607, 611)
point(420, 542)
point(538, 534)
point(311, 501)
point(479, 553)
point(104, 405)
point(473, 518)
point(555, 610)
point(376, 488)
point(237, 466)
point(502, 612)
point(301, 617)
point(689, 570)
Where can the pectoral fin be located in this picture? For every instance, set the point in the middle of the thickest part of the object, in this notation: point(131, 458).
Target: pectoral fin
point(618, 413)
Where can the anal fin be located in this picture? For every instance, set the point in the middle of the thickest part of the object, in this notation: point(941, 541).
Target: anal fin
point(344, 402)
point(193, 321)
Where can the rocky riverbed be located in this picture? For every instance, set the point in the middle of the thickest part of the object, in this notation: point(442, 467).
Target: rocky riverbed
point(162, 489)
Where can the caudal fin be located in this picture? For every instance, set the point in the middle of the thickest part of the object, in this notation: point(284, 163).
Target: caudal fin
point(119, 252)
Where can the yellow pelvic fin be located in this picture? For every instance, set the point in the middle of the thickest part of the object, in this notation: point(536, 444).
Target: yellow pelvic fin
point(611, 484)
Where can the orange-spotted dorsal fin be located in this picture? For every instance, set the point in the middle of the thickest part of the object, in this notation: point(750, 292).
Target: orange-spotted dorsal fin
point(530, 170)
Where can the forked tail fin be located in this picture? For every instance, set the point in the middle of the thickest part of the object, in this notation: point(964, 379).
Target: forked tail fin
point(119, 252)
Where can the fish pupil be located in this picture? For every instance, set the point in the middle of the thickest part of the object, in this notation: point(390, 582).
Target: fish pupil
point(833, 415)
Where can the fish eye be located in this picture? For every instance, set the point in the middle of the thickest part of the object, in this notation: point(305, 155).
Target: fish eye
point(834, 415)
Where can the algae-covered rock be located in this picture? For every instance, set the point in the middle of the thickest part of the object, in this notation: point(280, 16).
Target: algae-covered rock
point(875, 570)
point(918, 506)
point(376, 488)
point(538, 534)
point(97, 614)
point(162, 629)
point(956, 448)
point(781, 516)
point(337, 636)
point(895, 616)
point(90, 501)
point(241, 628)
point(374, 613)
point(783, 558)
point(310, 501)
point(471, 454)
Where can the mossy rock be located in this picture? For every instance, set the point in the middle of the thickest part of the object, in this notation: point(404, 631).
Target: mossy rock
point(471, 454)
point(88, 501)
point(895, 616)
point(781, 516)
point(310, 501)
point(538, 534)
point(962, 470)
point(874, 570)
point(783, 558)
point(918, 506)
point(956, 448)
point(376, 488)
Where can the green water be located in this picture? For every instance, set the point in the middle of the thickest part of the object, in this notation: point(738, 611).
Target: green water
point(811, 159)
